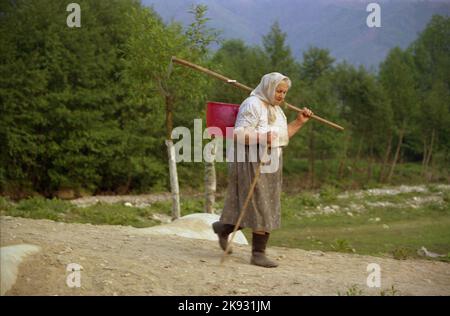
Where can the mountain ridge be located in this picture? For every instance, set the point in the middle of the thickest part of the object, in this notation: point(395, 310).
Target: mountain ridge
point(339, 26)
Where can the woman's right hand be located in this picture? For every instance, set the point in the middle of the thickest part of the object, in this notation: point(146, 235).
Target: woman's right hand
point(269, 137)
point(304, 115)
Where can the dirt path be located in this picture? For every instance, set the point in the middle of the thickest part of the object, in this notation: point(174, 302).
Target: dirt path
point(120, 261)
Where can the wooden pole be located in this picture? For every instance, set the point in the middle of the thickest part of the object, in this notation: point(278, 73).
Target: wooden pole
point(246, 88)
point(173, 180)
point(210, 182)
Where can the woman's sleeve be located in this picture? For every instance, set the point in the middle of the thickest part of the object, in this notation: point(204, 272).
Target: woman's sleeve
point(248, 116)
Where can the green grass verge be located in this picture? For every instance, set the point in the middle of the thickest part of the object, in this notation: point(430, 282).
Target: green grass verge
point(98, 214)
point(399, 233)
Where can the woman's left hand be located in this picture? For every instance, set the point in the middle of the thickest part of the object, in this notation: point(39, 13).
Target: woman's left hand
point(304, 115)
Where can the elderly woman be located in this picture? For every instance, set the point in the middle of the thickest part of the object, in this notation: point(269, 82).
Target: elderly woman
point(264, 125)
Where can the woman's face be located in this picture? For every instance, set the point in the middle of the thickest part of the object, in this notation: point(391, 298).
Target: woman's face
point(280, 92)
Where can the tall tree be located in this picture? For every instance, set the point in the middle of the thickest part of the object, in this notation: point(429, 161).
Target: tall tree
point(181, 90)
point(397, 75)
point(317, 93)
point(365, 106)
point(431, 53)
point(62, 93)
point(316, 62)
point(278, 51)
point(238, 61)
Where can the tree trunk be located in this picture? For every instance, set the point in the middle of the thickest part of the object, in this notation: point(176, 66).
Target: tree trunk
point(210, 184)
point(430, 149)
point(356, 159)
point(401, 159)
point(425, 155)
point(370, 165)
point(358, 154)
point(397, 153)
point(324, 166)
point(344, 158)
point(125, 189)
point(432, 162)
point(169, 116)
point(386, 158)
point(173, 180)
point(311, 156)
point(430, 156)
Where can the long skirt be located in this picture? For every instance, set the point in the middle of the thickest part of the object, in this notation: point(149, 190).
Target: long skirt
point(264, 208)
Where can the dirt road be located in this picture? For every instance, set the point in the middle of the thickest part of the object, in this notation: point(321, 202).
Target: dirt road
point(120, 261)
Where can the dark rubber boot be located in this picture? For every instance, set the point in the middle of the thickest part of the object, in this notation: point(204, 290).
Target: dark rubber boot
point(259, 252)
point(223, 231)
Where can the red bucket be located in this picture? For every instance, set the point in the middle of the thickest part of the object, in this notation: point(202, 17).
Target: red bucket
point(221, 115)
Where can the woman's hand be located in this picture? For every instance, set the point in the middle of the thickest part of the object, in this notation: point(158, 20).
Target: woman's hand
point(269, 137)
point(304, 115)
point(251, 137)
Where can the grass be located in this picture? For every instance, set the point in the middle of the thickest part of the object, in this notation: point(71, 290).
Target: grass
point(98, 214)
point(63, 211)
point(398, 233)
point(342, 245)
point(327, 173)
point(354, 175)
point(401, 253)
point(354, 290)
point(392, 291)
point(368, 239)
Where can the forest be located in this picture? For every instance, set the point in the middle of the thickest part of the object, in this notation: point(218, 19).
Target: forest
point(87, 109)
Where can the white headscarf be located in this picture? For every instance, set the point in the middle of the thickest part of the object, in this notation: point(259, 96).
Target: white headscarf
point(266, 90)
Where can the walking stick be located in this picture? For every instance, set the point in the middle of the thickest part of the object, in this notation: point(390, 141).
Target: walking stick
point(244, 87)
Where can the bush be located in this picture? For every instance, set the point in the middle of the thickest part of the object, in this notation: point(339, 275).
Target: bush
point(353, 290)
point(190, 206)
point(40, 204)
point(328, 193)
point(446, 197)
point(39, 208)
point(389, 292)
point(342, 245)
point(112, 214)
point(307, 199)
point(5, 204)
point(401, 253)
